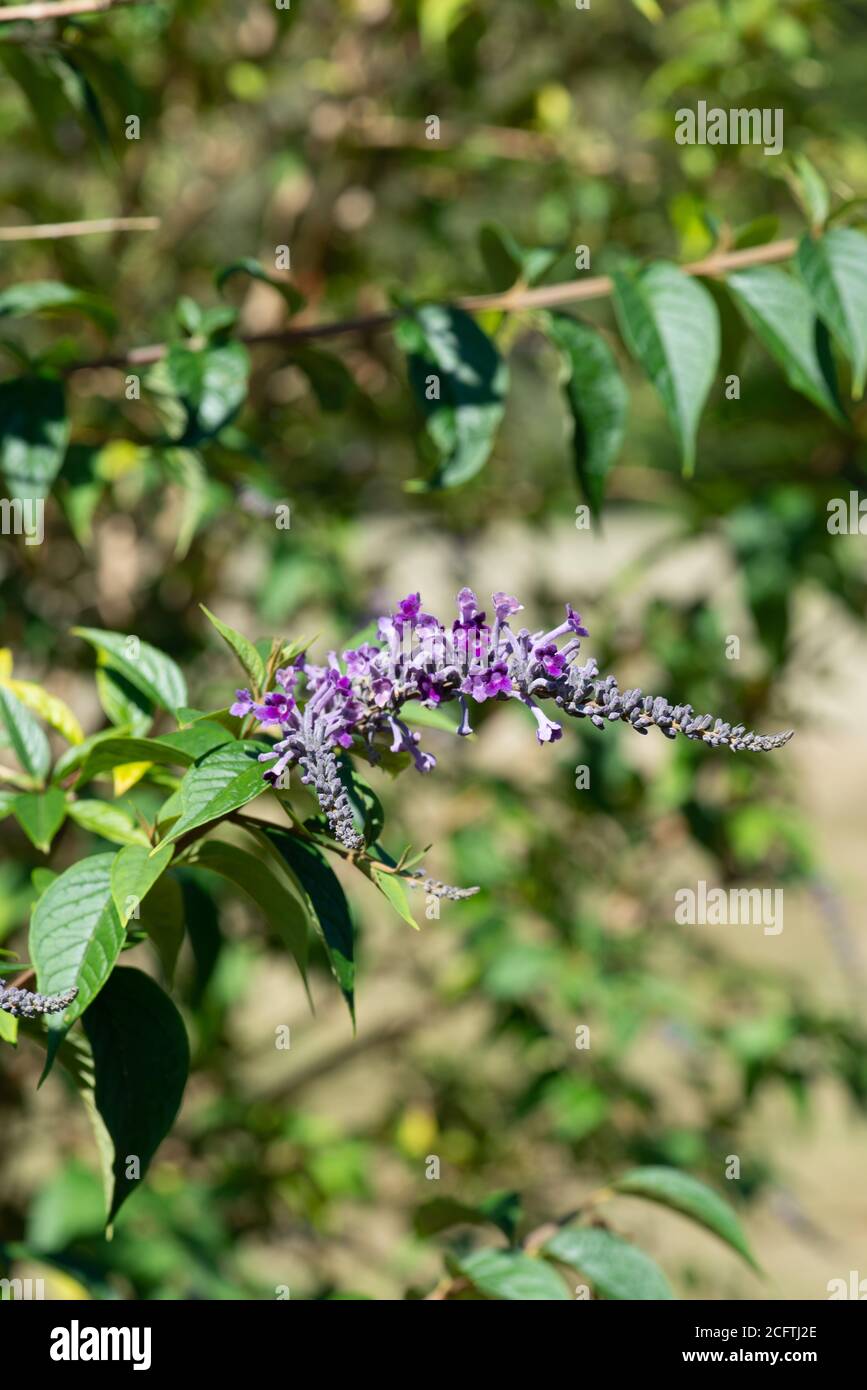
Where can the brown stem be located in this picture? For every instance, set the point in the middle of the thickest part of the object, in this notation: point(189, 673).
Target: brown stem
point(50, 231)
point(61, 9)
point(541, 297)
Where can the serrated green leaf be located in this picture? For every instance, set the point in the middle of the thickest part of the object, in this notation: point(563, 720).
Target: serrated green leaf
point(834, 269)
point(242, 647)
point(34, 433)
point(684, 1193)
point(670, 324)
point(40, 815)
point(778, 309)
point(450, 357)
point(153, 673)
point(511, 1275)
point(221, 782)
point(614, 1268)
point(24, 736)
point(136, 1035)
point(598, 401)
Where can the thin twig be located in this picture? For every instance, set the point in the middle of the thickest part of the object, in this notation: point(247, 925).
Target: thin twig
point(50, 231)
point(61, 9)
point(542, 297)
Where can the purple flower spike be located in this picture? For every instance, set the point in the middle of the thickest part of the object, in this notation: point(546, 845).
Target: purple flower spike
point(357, 700)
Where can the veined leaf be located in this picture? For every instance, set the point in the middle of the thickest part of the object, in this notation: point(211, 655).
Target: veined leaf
point(24, 736)
point(613, 1267)
point(133, 874)
point(219, 783)
point(778, 309)
point(511, 1275)
point(684, 1193)
point(459, 381)
point(40, 815)
point(148, 669)
point(834, 269)
point(597, 398)
point(670, 324)
point(75, 939)
point(178, 749)
point(243, 649)
point(110, 821)
point(49, 707)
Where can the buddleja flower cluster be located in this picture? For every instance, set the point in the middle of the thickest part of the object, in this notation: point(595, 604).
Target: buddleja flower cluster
point(22, 1003)
point(357, 697)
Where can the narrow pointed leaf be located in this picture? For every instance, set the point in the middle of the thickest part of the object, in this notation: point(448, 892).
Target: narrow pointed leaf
point(598, 401)
point(684, 1193)
point(834, 269)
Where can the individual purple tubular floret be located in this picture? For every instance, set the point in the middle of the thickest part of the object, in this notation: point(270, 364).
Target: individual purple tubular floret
point(361, 695)
point(22, 1003)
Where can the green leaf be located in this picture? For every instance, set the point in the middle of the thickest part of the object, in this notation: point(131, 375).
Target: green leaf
point(367, 814)
point(283, 911)
point(811, 191)
point(511, 1275)
point(24, 736)
point(186, 467)
point(162, 917)
point(152, 673)
point(219, 783)
point(141, 1059)
point(391, 887)
point(49, 707)
point(210, 382)
point(40, 815)
point(598, 400)
point(684, 1193)
point(125, 706)
point(756, 233)
point(34, 433)
point(243, 649)
point(450, 356)
point(507, 262)
point(613, 1267)
point(501, 1209)
point(834, 269)
point(179, 749)
point(53, 297)
point(75, 939)
point(248, 266)
point(133, 874)
point(778, 310)
point(110, 821)
point(670, 324)
point(326, 904)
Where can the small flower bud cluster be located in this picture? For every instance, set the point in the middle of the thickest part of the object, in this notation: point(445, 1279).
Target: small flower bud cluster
point(355, 700)
point(21, 1003)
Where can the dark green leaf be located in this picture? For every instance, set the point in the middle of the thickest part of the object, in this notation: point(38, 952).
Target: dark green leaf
point(684, 1193)
point(24, 736)
point(34, 432)
point(834, 269)
point(219, 783)
point(148, 669)
point(133, 874)
point(248, 266)
point(52, 297)
point(452, 359)
point(670, 324)
point(141, 1058)
point(210, 382)
point(598, 400)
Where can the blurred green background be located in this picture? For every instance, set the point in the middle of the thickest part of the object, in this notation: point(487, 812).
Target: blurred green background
point(305, 127)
